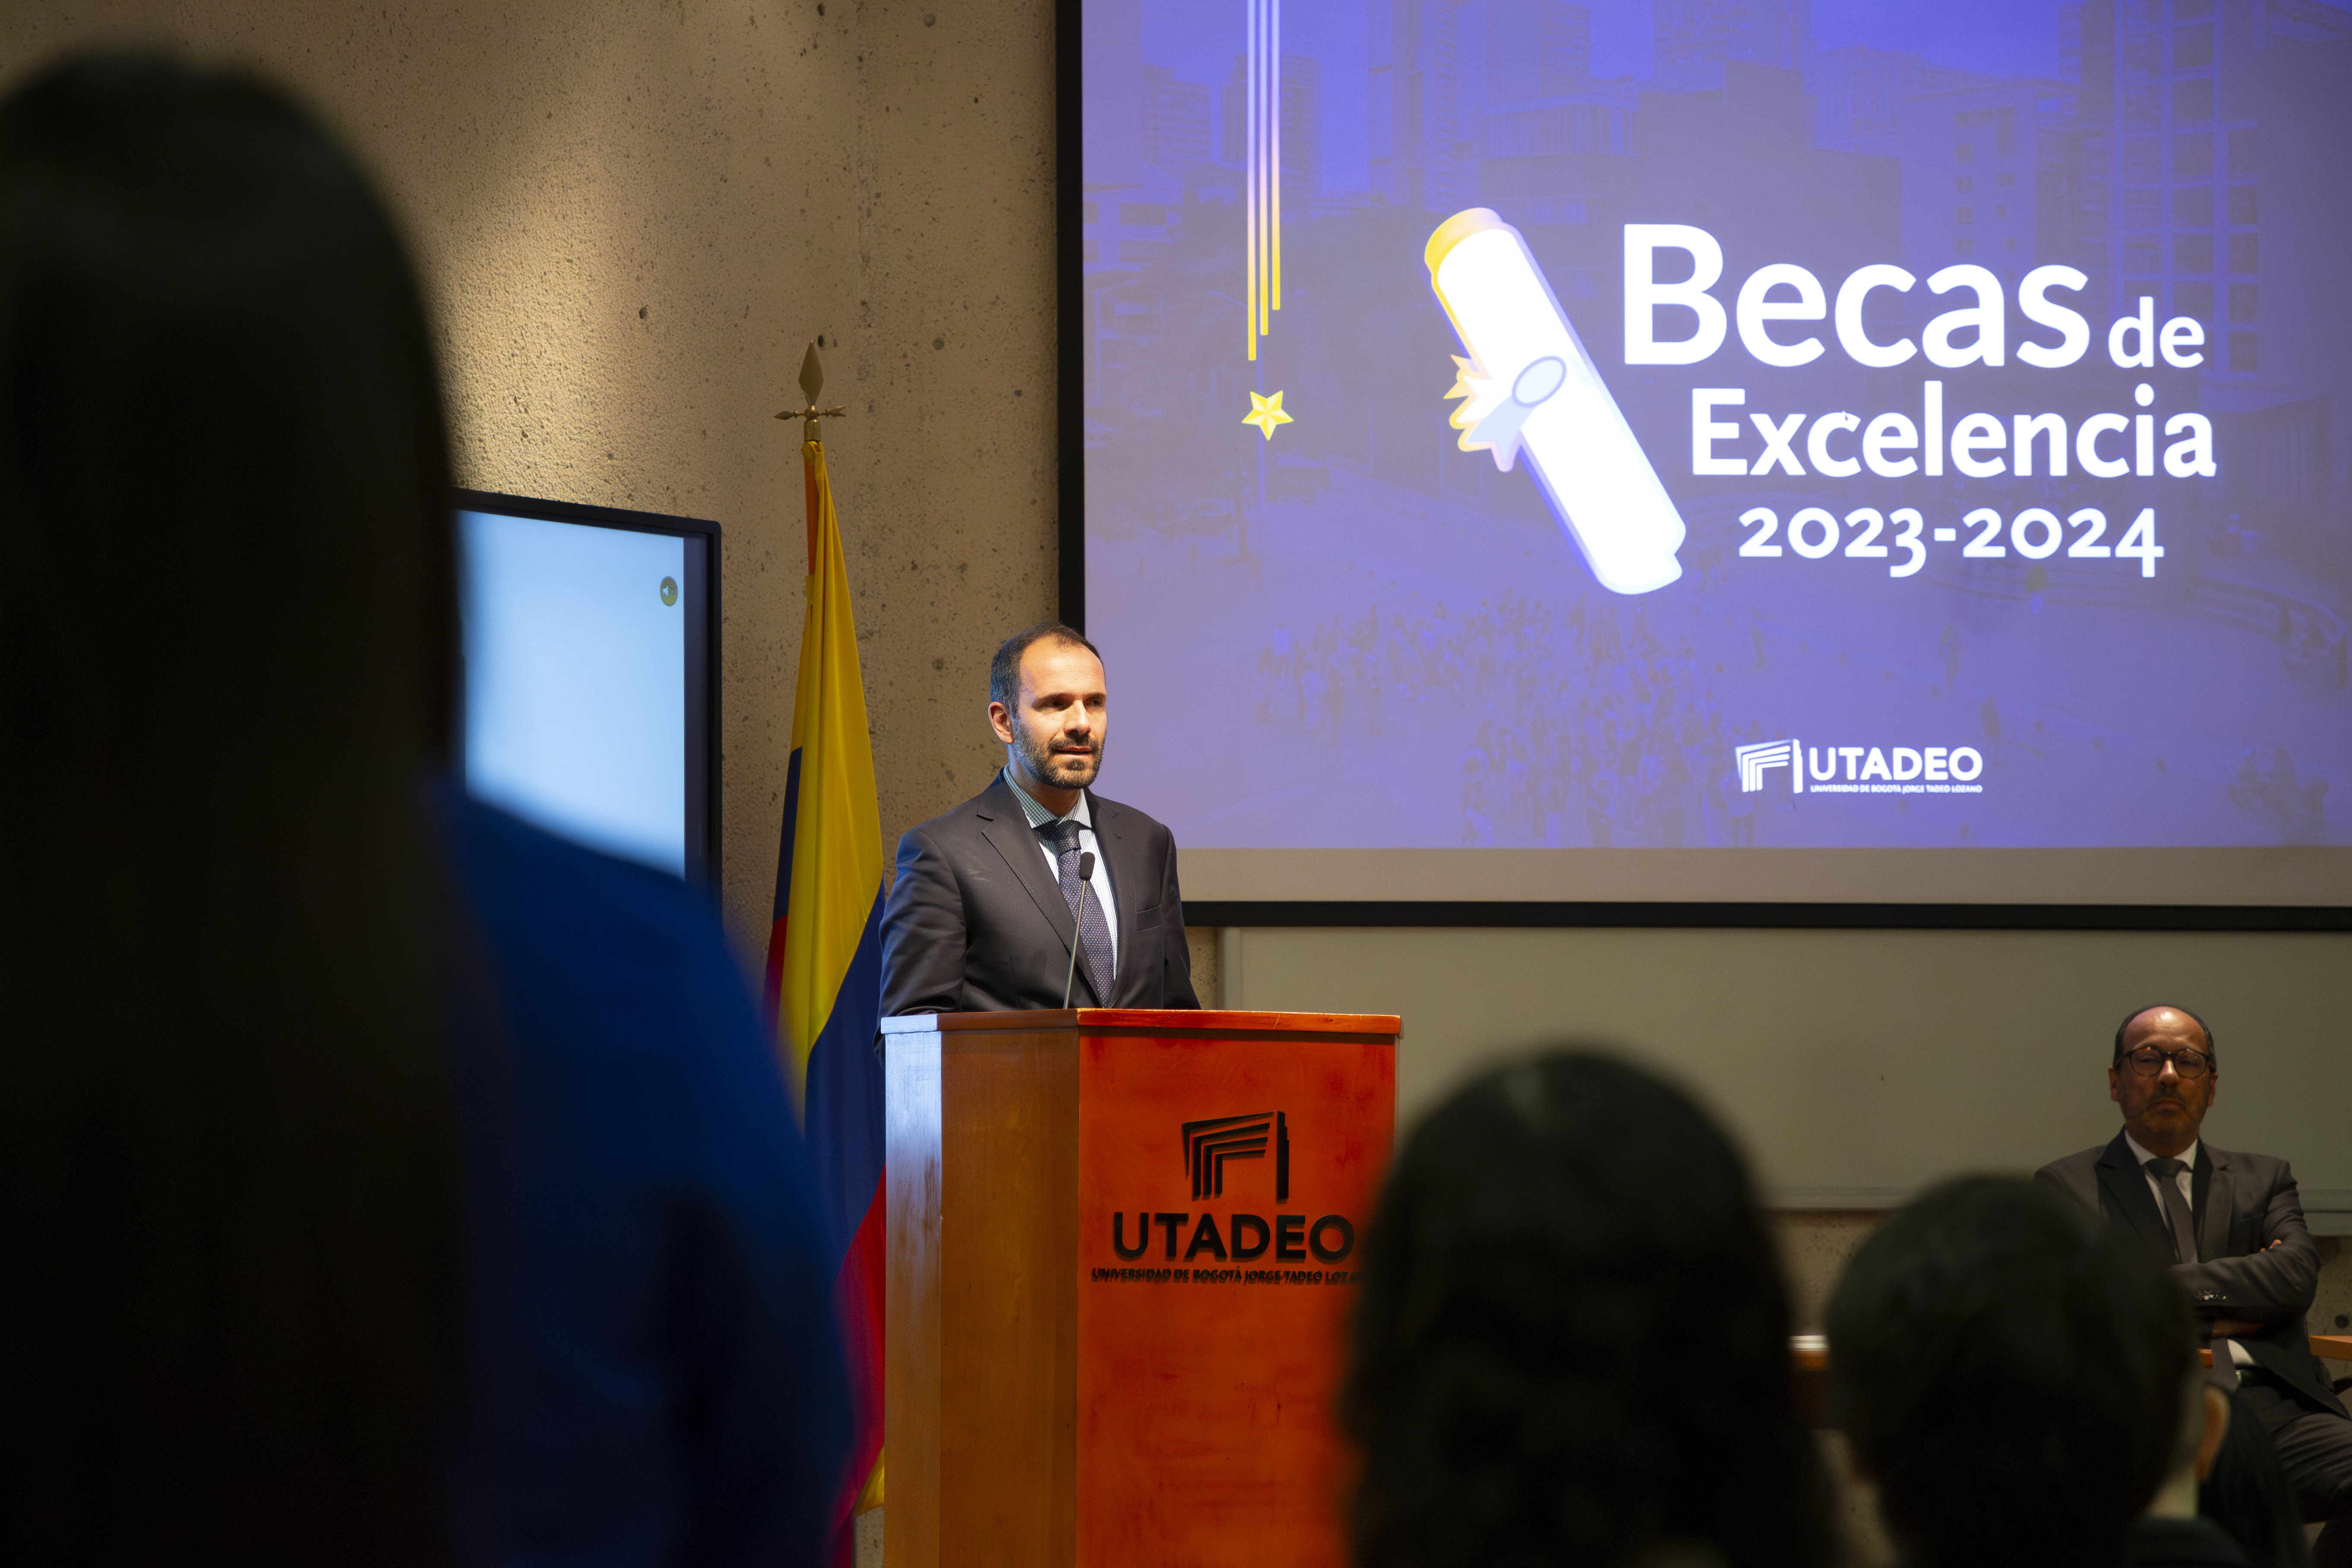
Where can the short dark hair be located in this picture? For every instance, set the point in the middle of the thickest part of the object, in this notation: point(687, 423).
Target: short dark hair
point(1553, 1246)
point(2009, 1375)
point(2212, 1050)
point(1004, 669)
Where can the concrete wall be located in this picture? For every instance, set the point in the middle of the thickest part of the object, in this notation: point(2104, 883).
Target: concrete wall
point(632, 218)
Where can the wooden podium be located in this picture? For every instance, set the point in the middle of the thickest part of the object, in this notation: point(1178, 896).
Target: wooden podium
point(1120, 1250)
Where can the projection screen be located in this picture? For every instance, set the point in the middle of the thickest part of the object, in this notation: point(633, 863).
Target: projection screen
point(1782, 452)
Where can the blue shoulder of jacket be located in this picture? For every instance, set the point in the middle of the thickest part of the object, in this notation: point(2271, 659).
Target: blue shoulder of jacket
point(496, 852)
point(615, 934)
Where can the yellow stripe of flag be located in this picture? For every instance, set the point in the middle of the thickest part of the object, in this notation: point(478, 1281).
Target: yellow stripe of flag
point(837, 840)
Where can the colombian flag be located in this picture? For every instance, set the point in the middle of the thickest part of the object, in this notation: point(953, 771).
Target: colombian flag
point(825, 974)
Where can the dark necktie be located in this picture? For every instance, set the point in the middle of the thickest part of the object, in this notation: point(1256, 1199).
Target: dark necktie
point(2176, 1208)
point(1094, 932)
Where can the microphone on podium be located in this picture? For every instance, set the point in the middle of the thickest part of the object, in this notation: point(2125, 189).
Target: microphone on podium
point(1077, 934)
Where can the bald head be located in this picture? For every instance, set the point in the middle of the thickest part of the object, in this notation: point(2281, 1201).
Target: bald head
point(2164, 1075)
point(2166, 1015)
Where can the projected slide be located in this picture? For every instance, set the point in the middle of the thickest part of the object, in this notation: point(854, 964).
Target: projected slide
point(1515, 424)
point(575, 682)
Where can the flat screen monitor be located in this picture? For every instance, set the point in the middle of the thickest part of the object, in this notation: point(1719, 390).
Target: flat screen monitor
point(591, 674)
point(1787, 452)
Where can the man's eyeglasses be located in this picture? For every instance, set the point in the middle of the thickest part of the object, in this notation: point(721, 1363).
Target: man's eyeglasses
point(2148, 1062)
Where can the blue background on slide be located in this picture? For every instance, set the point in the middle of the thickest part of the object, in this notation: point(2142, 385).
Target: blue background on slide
point(1357, 634)
point(575, 682)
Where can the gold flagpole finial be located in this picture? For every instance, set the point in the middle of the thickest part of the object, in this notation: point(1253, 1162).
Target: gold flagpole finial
point(812, 382)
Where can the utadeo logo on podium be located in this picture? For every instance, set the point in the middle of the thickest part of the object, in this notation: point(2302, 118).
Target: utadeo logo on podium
point(1196, 1238)
point(1209, 1144)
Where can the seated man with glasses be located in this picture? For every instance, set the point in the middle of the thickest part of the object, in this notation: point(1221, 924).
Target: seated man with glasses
point(2231, 1226)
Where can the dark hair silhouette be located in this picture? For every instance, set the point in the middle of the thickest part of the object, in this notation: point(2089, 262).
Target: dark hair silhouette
point(1572, 1341)
point(2009, 1375)
point(1004, 669)
point(2247, 1494)
point(229, 1318)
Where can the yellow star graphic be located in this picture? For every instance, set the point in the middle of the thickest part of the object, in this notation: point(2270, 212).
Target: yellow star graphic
point(1265, 413)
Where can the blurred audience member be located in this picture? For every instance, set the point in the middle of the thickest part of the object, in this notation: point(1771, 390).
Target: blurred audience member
point(2011, 1379)
point(271, 1295)
point(1572, 1341)
point(2247, 1494)
point(2171, 1534)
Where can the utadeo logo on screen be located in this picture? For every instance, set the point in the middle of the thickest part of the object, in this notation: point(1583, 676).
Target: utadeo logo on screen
point(1861, 770)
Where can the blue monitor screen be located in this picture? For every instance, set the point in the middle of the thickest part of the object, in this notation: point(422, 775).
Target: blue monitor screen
point(586, 677)
point(1785, 451)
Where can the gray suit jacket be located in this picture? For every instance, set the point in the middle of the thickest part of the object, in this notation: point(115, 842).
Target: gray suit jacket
point(2241, 1204)
point(976, 924)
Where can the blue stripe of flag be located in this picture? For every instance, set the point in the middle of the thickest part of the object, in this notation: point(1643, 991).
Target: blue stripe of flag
point(845, 1096)
point(784, 849)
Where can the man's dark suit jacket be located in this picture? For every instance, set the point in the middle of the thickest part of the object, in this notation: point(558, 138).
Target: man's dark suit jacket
point(2240, 1204)
point(976, 923)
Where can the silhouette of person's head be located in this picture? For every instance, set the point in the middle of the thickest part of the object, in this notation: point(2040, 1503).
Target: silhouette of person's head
point(2009, 1376)
point(226, 661)
point(1573, 1342)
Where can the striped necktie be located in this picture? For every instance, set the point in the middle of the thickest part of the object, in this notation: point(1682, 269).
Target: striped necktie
point(1094, 932)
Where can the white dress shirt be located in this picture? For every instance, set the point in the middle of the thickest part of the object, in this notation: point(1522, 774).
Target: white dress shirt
point(1099, 891)
point(2182, 1179)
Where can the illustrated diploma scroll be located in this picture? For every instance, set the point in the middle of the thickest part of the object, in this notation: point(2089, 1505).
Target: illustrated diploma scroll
point(1531, 387)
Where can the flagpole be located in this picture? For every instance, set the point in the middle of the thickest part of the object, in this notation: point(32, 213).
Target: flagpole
point(812, 382)
point(826, 937)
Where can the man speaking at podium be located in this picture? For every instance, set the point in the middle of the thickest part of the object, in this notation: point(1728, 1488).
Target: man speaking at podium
point(987, 904)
